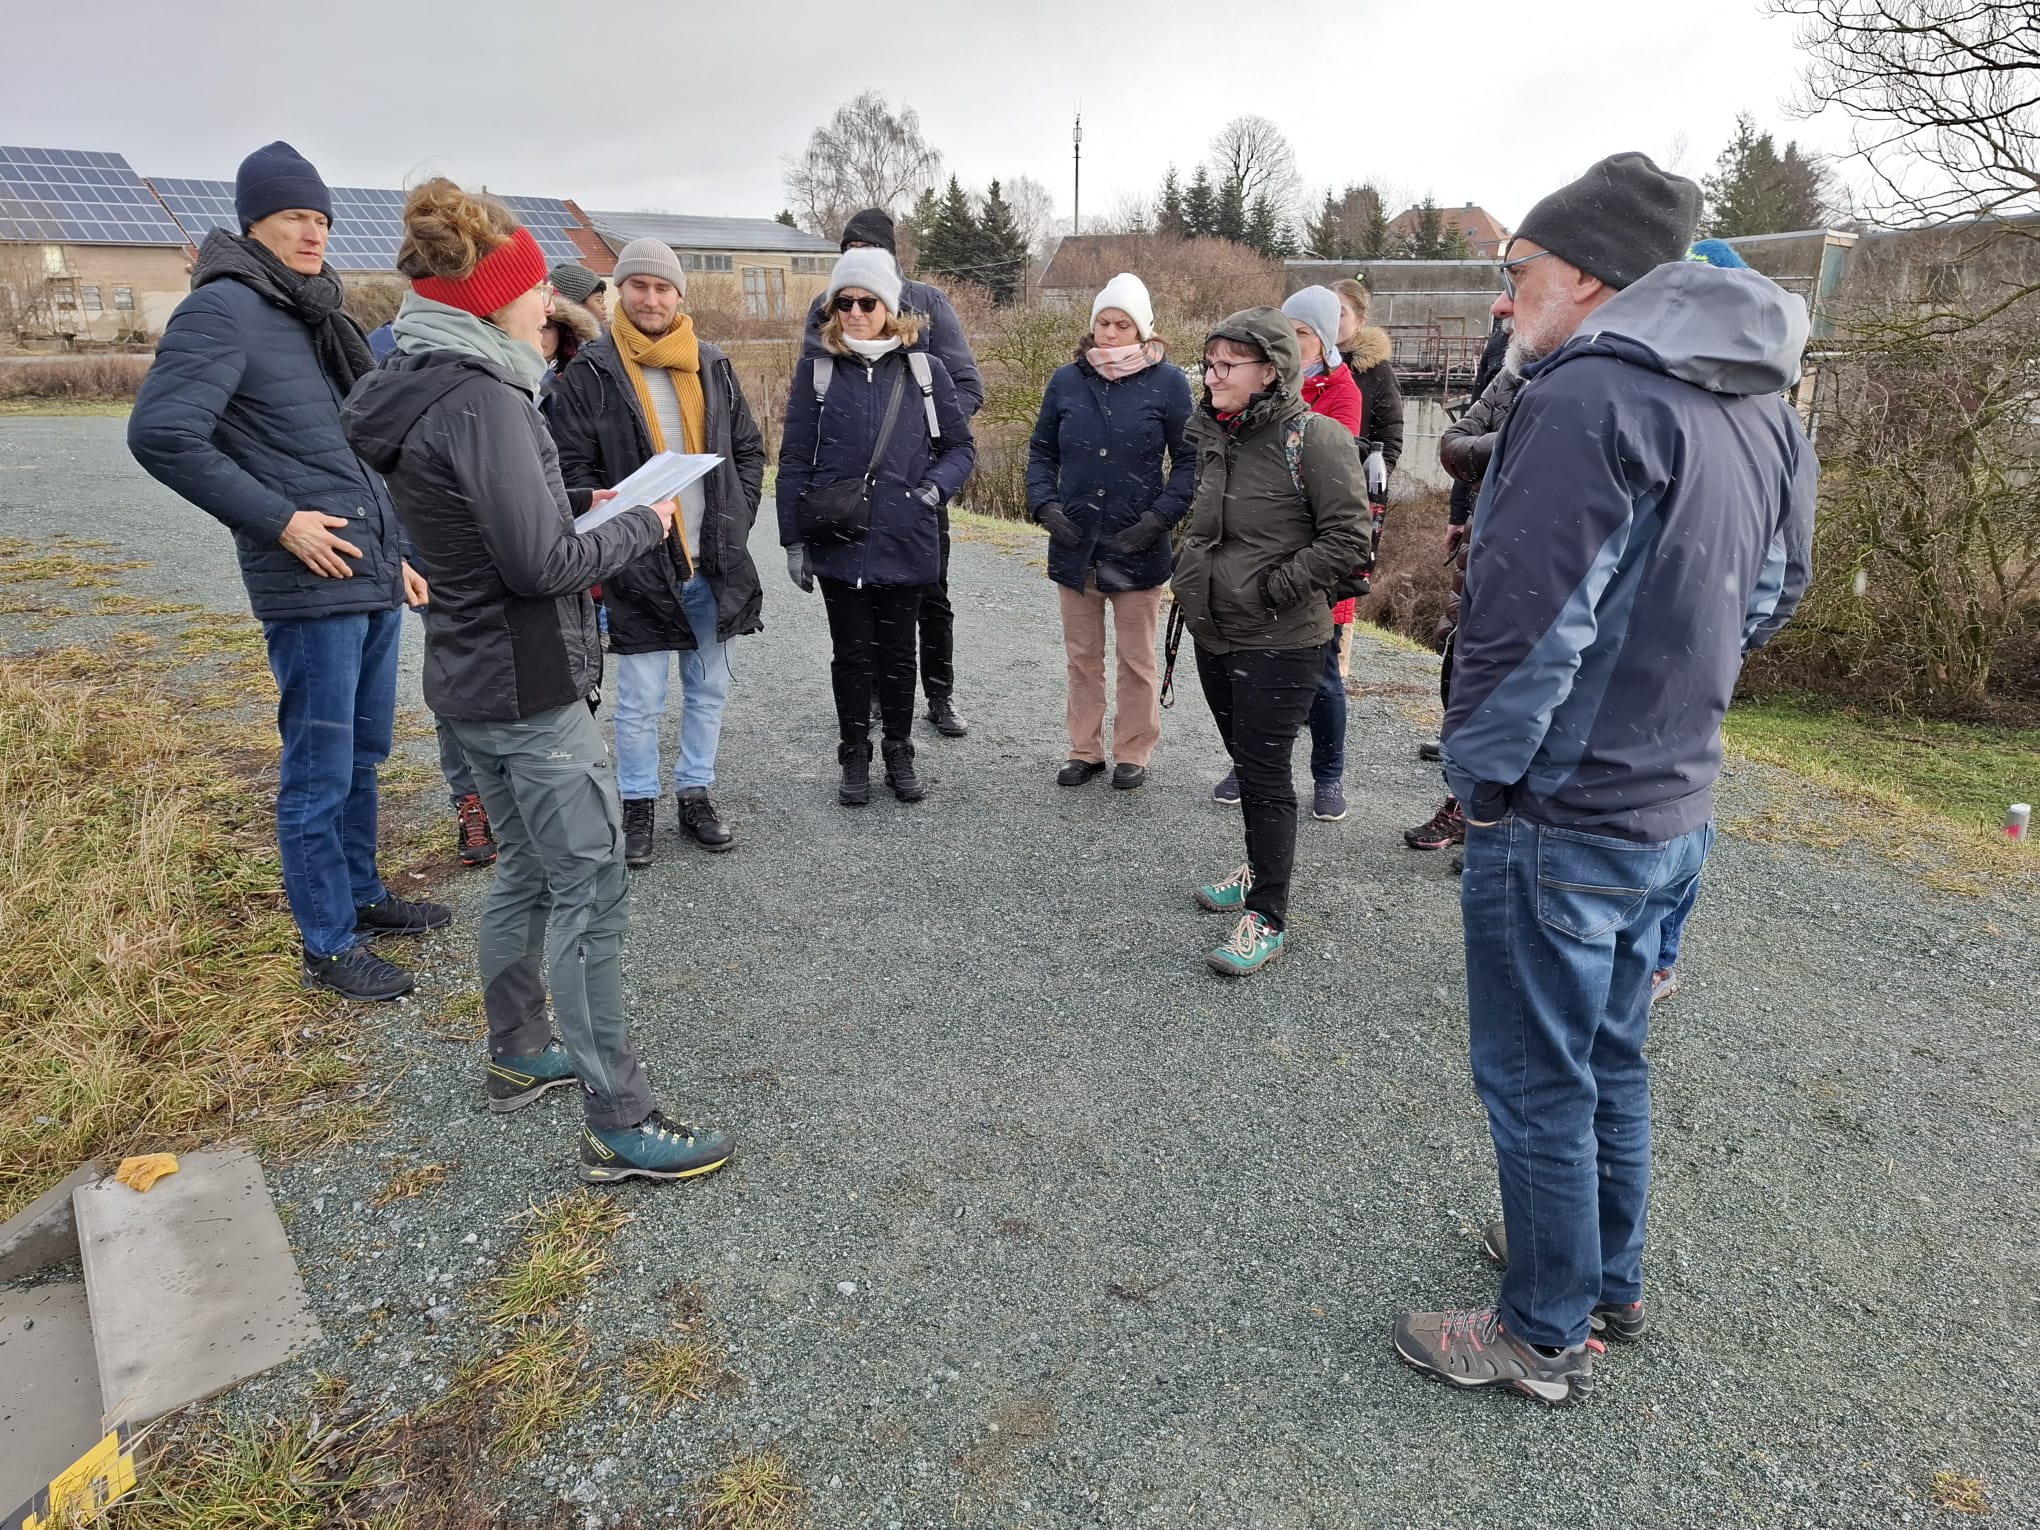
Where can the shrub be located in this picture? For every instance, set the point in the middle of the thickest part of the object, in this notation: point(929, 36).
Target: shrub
point(75, 378)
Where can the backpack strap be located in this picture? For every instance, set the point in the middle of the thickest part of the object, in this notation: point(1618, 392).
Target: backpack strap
point(825, 373)
point(917, 362)
point(1292, 453)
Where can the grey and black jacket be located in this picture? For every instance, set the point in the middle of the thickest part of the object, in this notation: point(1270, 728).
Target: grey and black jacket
point(510, 629)
point(1647, 517)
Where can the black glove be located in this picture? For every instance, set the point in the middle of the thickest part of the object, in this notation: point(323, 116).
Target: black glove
point(1137, 538)
point(1276, 594)
point(929, 495)
point(1355, 586)
point(1062, 531)
point(797, 567)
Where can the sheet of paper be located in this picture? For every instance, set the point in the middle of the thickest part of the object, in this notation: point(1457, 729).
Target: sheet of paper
point(662, 477)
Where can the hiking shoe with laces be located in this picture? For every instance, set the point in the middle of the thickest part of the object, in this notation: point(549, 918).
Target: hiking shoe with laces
point(393, 916)
point(899, 771)
point(1077, 772)
point(1227, 790)
point(357, 974)
point(1664, 983)
point(698, 821)
point(1473, 1349)
point(515, 1082)
point(656, 1148)
point(477, 846)
point(854, 790)
point(1431, 752)
point(1445, 827)
point(1229, 896)
point(1622, 1321)
point(1328, 802)
point(948, 722)
point(1254, 943)
point(640, 816)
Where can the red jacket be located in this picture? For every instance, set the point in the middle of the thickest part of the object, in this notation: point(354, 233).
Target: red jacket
point(1335, 395)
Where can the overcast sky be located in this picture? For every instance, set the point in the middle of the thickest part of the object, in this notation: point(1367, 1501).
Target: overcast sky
point(686, 106)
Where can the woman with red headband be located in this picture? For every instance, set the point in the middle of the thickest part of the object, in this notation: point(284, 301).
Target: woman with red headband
point(512, 660)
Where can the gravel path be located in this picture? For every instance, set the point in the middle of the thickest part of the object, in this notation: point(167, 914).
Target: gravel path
point(1037, 1224)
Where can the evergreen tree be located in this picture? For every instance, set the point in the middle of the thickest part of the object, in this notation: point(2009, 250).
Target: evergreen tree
point(1200, 206)
point(1170, 218)
point(1264, 229)
point(921, 222)
point(1453, 245)
point(1429, 238)
point(1230, 221)
point(1325, 235)
point(951, 244)
point(1806, 189)
point(1003, 249)
point(1372, 243)
point(786, 217)
point(1746, 193)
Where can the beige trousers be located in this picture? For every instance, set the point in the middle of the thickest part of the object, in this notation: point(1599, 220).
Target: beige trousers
point(1136, 618)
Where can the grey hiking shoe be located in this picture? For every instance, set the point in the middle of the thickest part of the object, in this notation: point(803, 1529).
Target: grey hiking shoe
point(1621, 1321)
point(1472, 1349)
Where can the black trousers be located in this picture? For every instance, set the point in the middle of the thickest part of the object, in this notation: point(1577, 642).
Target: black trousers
point(1261, 698)
point(938, 628)
point(872, 630)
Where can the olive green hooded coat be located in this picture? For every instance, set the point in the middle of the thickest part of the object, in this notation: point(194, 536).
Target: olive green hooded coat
point(1258, 559)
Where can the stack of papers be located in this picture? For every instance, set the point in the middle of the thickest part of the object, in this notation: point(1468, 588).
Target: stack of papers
point(661, 478)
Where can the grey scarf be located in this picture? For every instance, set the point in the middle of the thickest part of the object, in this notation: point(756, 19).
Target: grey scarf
point(422, 324)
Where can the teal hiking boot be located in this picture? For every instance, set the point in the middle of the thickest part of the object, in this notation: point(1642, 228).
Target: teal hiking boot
point(1255, 943)
point(656, 1148)
point(1229, 896)
point(515, 1082)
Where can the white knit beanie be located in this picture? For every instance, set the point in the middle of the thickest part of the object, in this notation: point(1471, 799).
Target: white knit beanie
point(1319, 308)
point(873, 270)
point(1129, 294)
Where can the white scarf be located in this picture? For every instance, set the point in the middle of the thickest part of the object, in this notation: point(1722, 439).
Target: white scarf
point(871, 350)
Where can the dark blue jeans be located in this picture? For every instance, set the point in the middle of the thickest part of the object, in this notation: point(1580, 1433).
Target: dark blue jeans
point(337, 676)
point(1562, 933)
point(1675, 928)
point(1328, 720)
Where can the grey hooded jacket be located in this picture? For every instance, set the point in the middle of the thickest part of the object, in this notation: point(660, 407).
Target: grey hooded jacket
point(1647, 517)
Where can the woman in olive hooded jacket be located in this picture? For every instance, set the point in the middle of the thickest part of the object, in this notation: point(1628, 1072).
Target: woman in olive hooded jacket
point(1279, 517)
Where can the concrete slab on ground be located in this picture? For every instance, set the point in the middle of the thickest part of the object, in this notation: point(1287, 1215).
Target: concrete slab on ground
point(193, 1284)
point(49, 1386)
point(44, 1232)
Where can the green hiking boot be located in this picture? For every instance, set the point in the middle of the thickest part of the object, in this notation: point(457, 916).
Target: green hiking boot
point(656, 1148)
point(1255, 943)
point(515, 1082)
point(1229, 896)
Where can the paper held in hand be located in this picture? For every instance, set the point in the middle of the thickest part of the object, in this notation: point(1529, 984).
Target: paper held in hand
point(663, 477)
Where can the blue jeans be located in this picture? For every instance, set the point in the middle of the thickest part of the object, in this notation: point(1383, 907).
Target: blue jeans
point(1675, 928)
point(337, 679)
point(641, 680)
point(1328, 720)
point(1562, 933)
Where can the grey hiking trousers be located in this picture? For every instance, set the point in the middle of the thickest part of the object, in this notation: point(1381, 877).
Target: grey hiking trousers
point(551, 794)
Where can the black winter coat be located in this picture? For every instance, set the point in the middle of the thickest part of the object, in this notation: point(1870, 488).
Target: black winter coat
point(600, 427)
point(1493, 356)
point(1381, 408)
point(510, 630)
point(832, 440)
point(238, 416)
point(942, 337)
point(1097, 451)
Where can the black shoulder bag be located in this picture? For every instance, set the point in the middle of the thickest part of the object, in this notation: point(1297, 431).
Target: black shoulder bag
point(841, 512)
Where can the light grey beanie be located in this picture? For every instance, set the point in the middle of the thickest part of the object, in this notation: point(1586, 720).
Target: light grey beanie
point(873, 270)
point(650, 257)
point(1319, 308)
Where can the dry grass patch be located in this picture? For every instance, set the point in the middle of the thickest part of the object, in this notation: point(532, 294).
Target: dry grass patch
point(408, 1181)
point(267, 1476)
point(683, 1369)
point(756, 1491)
point(566, 1247)
point(1961, 1495)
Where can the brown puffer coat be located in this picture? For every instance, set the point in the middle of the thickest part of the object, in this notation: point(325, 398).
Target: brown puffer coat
point(1257, 558)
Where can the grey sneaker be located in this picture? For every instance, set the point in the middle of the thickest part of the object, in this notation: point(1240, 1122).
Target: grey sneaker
point(1328, 802)
point(1623, 1322)
point(1472, 1349)
point(1664, 983)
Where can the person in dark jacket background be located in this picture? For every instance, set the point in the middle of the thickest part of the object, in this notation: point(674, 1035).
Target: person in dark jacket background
point(941, 335)
point(649, 386)
point(568, 327)
point(511, 658)
point(1095, 479)
point(1368, 352)
point(1278, 519)
point(577, 284)
point(873, 582)
point(1645, 516)
point(240, 414)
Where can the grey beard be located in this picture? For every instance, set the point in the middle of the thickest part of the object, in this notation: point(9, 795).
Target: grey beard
point(1522, 351)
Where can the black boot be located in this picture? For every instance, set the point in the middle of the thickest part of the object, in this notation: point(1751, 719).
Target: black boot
point(698, 821)
point(943, 714)
point(638, 814)
point(899, 771)
point(855, 789)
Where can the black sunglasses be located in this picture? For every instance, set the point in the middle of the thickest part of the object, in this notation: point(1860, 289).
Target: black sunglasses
point(862, 305)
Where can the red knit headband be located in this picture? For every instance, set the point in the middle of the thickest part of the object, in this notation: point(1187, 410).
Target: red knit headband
point(506, 273)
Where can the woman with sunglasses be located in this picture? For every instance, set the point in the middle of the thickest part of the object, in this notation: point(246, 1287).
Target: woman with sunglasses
point(876, 442)
point(511, 660)
point(1278, 519)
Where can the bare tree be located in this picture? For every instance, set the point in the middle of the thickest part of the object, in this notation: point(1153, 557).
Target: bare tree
point(866, 155)
point(1033, 209)
point(1252, 153)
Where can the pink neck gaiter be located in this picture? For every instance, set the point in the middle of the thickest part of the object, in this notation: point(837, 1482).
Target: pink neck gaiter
point(1113, 362)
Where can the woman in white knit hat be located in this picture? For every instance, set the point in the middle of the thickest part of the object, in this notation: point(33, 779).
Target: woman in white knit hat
point(1096, 480)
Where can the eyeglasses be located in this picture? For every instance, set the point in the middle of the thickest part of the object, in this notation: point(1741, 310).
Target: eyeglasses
point(1223, 369)
point(862, 305)
point(1508, 268)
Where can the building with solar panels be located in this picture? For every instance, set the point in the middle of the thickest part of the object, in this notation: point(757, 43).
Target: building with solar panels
point(753, 266)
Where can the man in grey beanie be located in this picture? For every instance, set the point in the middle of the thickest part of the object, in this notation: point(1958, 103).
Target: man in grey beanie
point(1646, 518)
point(577, 284)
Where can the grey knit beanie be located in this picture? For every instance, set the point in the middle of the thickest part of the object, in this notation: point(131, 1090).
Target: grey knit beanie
point(650, 257)
point(575, 283)
point(873, 270)
point(1619, 220)
point(1319, 308)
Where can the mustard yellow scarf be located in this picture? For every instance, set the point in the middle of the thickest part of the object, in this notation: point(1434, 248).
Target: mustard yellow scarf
point(678, 353)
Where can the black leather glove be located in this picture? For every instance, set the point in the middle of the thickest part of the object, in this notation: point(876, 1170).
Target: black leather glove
point(1354, 586)
point(797, 567)
point(1062, 531)
point(1138, 537)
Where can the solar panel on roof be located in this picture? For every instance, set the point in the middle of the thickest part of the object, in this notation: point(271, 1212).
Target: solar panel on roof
point(78, 197)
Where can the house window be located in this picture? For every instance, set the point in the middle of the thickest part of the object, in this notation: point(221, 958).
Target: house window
point(124, 299)
point(764, 292)
point(693, 262)
point(67, 296)
point(812, 265)
point(89, 296)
